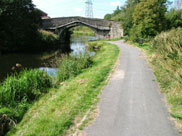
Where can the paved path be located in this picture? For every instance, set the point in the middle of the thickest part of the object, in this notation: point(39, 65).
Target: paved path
point(131, 104)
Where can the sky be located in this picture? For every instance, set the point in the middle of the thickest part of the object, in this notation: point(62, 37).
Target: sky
point(65, 8)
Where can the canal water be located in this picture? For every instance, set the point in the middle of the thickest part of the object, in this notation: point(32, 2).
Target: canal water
point(16, 62)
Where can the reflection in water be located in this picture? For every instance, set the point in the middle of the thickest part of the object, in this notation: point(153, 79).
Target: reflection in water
point(78, 44)
point(8, 62)
point(49, 71)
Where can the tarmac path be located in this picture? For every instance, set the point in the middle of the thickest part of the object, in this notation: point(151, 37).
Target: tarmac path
point(131, 104)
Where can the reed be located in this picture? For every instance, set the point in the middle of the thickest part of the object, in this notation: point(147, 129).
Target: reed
point(73, 65)
point(17, 93)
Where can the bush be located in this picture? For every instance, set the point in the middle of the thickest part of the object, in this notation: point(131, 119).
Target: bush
point(166, 57)
point(94, 46)
point(71, 66)
point(169, 44)
point(173, 18)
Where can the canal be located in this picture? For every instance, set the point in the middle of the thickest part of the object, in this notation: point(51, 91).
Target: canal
point(45, 61)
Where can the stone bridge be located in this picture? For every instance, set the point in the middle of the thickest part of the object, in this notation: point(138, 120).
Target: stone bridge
point(101, 27)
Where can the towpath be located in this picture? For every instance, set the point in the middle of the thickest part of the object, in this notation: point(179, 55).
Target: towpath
point(131, 104)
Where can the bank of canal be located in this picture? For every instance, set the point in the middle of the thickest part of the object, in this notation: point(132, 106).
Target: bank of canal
point(44, 61)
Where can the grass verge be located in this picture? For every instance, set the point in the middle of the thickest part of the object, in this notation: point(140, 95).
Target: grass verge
point(56, 112)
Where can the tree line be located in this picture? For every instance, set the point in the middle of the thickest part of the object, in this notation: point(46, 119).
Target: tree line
point(144, 19)
point(19, 27)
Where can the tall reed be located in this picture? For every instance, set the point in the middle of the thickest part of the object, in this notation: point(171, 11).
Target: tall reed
point(73, 65)
point(28, 85)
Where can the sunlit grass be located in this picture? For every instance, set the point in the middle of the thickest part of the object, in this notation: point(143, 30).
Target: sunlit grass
point(18, 92)
point(55, 113)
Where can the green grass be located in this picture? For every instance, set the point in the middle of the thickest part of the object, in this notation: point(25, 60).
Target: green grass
point(55, 112)
point(82, 30)
point(83, 33)
point(17, 93)
point(27, 85)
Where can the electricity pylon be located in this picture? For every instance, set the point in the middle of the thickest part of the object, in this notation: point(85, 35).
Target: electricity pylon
point(89, 8)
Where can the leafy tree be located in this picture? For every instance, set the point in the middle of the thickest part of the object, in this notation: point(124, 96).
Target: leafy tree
point(174, 18)
point(19, 21)
point(117, 11)
point(148, 19)
point(127, 15)
point(108, 16)
point(116, 15)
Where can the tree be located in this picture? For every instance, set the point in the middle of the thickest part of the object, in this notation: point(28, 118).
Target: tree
point(127, 15)
point(114, 16)
point(174, 18)
point(117, 11)
point(19, 21)
point(108, 16)
point(148, 19)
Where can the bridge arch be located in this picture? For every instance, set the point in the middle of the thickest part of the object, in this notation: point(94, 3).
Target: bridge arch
point(101, 27)
point(100, 33)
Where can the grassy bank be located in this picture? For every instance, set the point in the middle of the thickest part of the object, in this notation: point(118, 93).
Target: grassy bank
point(17, 93)
point(54, 113)
point(83, 33)
point(82, 30)
point(165, 55)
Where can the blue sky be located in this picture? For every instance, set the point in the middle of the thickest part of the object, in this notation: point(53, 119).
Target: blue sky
point(64, 8)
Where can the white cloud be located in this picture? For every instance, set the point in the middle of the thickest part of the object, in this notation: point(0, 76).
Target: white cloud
point(78, 9)
point(116, 3)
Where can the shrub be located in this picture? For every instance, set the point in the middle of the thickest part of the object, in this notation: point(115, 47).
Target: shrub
point(173, 18)
point(94, 46)
point(167, 56)
point(169, 44)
